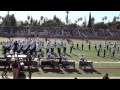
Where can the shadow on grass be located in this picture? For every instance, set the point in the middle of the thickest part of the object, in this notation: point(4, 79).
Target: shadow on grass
point(21, 75)
point(75, 54)
point(75, 48)
point(52, 70)
point(68, 55)
point(113, 58)
point(35, 70)
point(90, 71)
point(71, 71)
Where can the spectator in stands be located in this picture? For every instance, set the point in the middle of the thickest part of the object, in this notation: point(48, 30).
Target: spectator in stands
point(106, 76)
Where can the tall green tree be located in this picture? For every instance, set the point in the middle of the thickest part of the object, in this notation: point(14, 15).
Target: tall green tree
point(92, 21)
point(89, 22)
point(9, 20)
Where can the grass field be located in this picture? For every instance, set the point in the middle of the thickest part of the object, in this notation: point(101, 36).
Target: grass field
point(89, 55)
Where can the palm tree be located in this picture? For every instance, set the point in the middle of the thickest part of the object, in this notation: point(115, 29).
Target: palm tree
point(80, 19)
point(41, 19)
point(76, 21)
point(117, 18)
point(28, 18)
point(67, 12)
point(114, 22)
point(85, 22)
point(105, 18)
point(31, 20)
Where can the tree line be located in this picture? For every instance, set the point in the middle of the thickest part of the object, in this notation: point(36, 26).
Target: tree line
point(10, 20)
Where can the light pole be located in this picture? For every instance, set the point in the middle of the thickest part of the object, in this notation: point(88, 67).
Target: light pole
point(8, 18)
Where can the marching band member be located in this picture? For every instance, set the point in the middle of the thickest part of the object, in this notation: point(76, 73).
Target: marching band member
point(3, 47)
point(19, 47)
point(61, 43)
point(113, 51)
point(15, 46)
point(115, 45)
point(95, 47)
point(78, 45)
point(98, 50)
point(48, 55)
point(64, 57)
point(52, 48)
point(24, 47)
point(59, 48)
point(89, 46)
point(118, 47)
point(11, 43)
point(52, 56)
point(71, 47)
point(31, 47)
point(107, 46)
point(100, 46)
point(104, 50)
point(64, 48)
point(40, 46)
point(82, 45)
point(82, 58)
point(11, 52)
point(47, 47)
point(55, 42)
point(42, 42)
point(39, 55)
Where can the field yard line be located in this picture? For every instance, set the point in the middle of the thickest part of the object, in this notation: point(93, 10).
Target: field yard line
point(100, 62)
point(10, 77)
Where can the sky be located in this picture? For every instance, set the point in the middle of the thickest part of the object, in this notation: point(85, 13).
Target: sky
point(73, 15)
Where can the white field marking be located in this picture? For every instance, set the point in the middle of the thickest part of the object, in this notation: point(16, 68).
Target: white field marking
point(111, 77)
point(99, 62)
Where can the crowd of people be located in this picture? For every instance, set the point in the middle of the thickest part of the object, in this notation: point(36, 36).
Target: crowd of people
point(59, 31)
